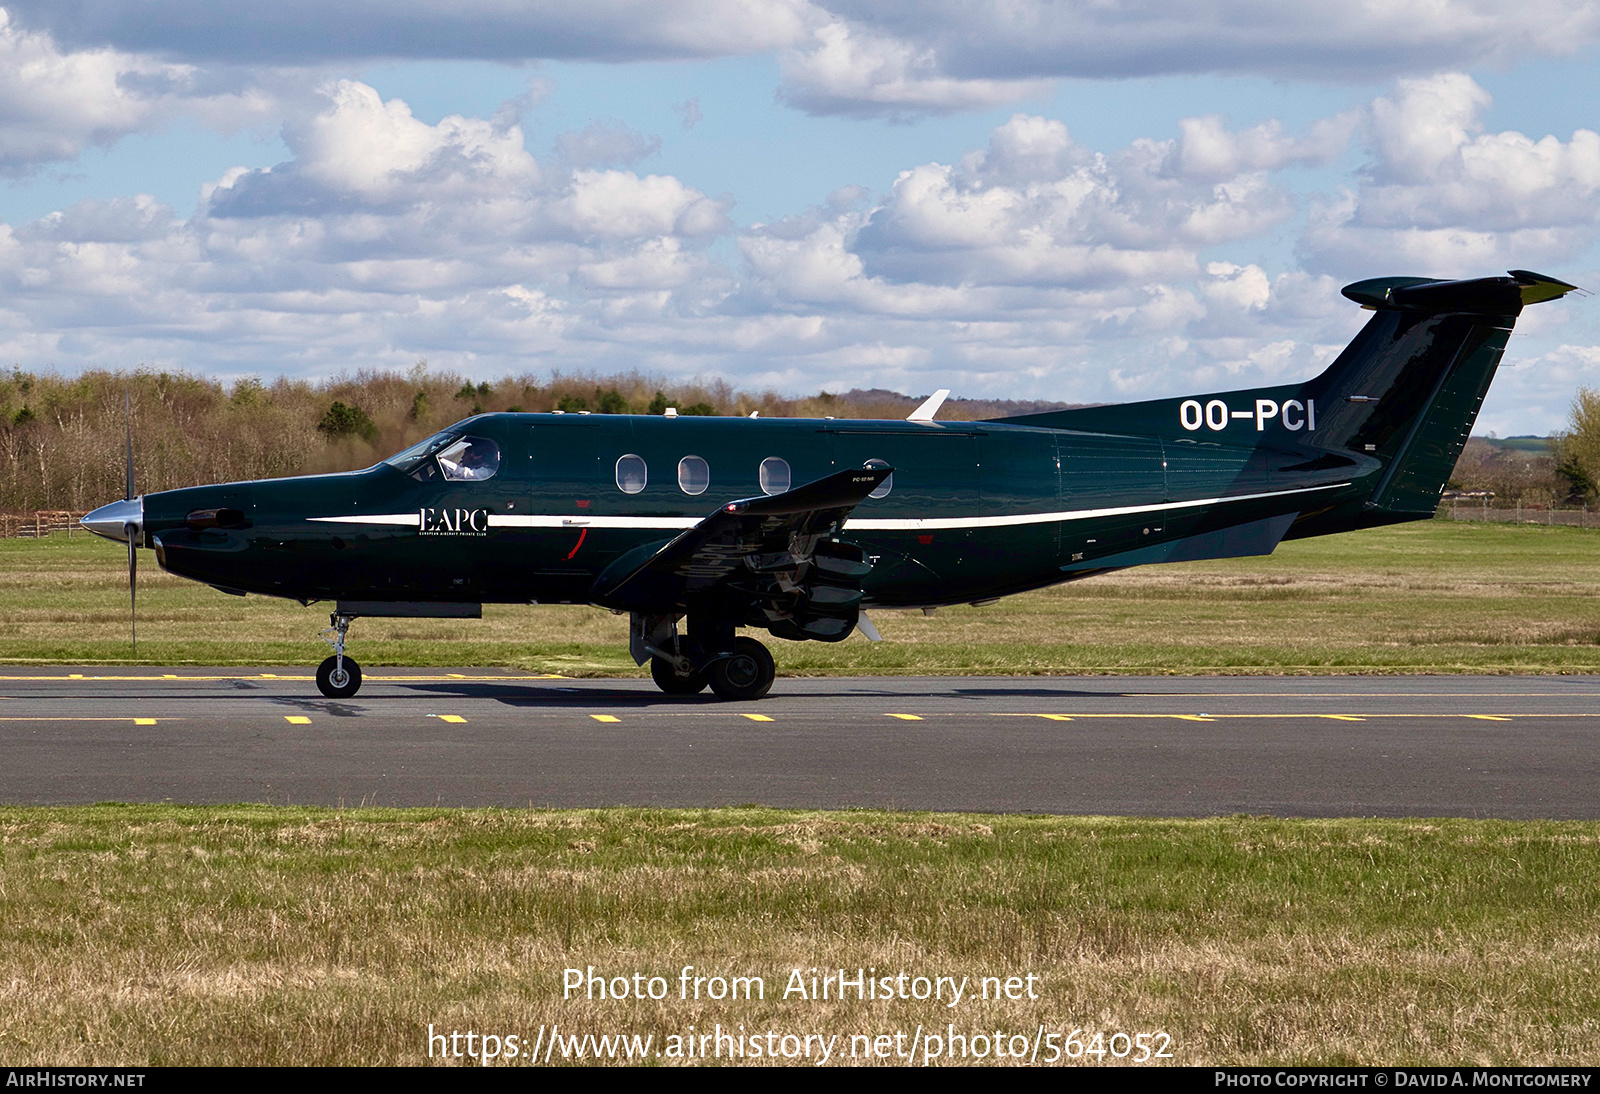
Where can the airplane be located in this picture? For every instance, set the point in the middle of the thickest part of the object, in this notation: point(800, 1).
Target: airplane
point(697, 527)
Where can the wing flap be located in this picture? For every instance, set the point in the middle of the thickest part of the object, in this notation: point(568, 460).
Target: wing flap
point(772, 536)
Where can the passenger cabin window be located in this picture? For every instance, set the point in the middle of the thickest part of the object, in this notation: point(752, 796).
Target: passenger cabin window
point(632, 474)
point(471, 459)
point(886, 485)
point(774, 475)
point(694, 475)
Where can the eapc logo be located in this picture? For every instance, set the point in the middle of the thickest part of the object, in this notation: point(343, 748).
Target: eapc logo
point(453, 522)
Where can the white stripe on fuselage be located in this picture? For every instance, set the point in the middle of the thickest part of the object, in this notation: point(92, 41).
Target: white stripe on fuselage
point(856, 524)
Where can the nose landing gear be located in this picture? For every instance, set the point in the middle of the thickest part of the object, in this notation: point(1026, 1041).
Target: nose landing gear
point(339, 677)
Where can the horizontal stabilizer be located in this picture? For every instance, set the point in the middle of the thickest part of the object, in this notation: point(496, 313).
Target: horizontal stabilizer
point(1481, 295)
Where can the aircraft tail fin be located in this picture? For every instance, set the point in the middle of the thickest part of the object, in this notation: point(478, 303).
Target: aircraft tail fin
point(1408, 389)
point(1405, 392)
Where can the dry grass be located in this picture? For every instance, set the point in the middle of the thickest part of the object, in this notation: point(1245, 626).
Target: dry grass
point(250, 935)
point(1431, 597)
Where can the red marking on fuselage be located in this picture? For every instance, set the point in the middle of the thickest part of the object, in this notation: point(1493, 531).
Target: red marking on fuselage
point(924, 540)
point(583, 535)
point(584, 504)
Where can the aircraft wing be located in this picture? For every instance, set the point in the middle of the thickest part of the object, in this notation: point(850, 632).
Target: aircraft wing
point(763, 539)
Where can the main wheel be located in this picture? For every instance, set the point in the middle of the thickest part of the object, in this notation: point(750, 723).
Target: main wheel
point(747, 674)
point(670, 681)
point(339, 683)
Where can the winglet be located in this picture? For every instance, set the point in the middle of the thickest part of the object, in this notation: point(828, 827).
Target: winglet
point(930, 407)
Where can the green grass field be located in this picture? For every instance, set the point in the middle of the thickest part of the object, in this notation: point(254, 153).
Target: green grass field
point(1431, 597)
point(166, 935)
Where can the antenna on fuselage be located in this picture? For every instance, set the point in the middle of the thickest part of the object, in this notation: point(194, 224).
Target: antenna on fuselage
point(929, 407)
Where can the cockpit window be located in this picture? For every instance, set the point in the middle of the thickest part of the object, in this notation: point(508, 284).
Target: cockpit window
point(450, 456)
point(417, 455)
point(471, 459)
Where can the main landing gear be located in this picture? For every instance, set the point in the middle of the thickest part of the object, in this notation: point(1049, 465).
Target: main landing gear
point(339, 677)
point(745, 674)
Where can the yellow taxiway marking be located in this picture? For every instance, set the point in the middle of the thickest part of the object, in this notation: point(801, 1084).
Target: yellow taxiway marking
point(144, 721)
point(1491, 717)
point(907, 717)
point(605, 717)
point(1192, 717)
point(297, 719)
point(451, 718)
point(1342, 717)
point(758, 717)
point(1057, 717)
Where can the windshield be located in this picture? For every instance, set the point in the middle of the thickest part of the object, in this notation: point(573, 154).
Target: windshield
point(418, 453)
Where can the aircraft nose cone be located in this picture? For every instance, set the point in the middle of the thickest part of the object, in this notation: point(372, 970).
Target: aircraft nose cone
point(112, 520)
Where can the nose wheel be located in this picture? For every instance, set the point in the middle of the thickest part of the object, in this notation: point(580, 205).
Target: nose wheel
point(339, 677)
point(339, 681)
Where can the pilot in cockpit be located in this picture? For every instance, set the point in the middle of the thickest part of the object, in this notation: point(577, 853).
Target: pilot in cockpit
point(470, 459)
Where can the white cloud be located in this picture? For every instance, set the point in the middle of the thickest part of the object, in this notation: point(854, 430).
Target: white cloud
point(1443, 197)
point(940, 56)
point(383, 231)
point(301, 31)
point(1020, 39)
point(53, 104)
point(852, 57)
point(606, 144)
point(1031, 266)
point(853, 71)
point(1034, 209)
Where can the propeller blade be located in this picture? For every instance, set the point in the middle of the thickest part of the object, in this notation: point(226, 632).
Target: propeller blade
point(127, 406)
point(132, 531)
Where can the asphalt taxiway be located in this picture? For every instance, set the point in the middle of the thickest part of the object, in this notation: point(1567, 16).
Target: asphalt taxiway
point(1473, 746)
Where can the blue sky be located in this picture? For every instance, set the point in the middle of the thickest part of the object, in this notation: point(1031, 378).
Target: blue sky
point(1038, 200)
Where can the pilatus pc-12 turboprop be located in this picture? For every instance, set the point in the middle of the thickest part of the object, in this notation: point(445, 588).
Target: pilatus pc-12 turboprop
point(699, 526)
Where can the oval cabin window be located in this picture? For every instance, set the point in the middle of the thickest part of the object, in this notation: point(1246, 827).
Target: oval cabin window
point(631, 474)
point(774, 475)
point(886, 485)
point(694, 475)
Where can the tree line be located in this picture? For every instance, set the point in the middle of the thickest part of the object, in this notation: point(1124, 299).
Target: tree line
point(1562, 472)
point(62, 438)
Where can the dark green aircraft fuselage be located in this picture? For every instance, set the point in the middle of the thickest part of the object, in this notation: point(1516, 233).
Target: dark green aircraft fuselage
point(974, 510)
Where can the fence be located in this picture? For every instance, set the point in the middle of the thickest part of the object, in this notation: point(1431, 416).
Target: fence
point(40, 523)
point(1521, 514)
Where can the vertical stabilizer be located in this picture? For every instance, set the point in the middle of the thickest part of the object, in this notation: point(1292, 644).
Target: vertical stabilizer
point(1408, 389)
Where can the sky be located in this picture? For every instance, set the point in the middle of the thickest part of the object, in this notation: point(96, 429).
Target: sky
point(1040, 199)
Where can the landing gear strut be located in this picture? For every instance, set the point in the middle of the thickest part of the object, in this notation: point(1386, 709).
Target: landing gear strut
point(339, 677)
